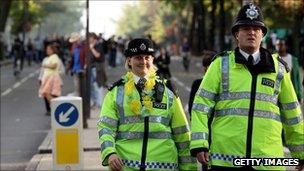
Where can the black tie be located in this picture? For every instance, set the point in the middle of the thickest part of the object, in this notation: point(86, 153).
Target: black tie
point(141, 83)
point(250, 59)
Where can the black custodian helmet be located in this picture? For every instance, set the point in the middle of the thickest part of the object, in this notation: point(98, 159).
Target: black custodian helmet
point(139, 46)
point(249, 15)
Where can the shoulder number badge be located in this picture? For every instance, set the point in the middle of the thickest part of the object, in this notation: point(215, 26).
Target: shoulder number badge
point(268, 82)
point(160, 105)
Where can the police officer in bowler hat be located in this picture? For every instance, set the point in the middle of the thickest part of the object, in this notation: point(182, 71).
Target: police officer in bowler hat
point(142, 124)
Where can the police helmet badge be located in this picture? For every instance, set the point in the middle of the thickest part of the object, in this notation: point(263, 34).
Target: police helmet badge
point(252, 12)
point(143, 47)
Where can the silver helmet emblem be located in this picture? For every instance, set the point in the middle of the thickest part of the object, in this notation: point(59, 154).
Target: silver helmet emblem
point(252, 12)
point(143, 46)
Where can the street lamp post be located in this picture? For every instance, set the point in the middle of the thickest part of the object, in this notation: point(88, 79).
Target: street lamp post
point(24, 29)
point(87, 88)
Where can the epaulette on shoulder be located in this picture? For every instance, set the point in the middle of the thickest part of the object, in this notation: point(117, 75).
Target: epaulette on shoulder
point(221, 54)
point(170, 86)
point(284, 63)
point(117, 83)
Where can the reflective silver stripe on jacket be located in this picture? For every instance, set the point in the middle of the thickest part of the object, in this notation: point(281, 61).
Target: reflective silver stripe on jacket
point(244, 112)
point(108, 120)
point(138, 119)
point(139, 135)
point(199, 135)
point(280, 76)
point(296, 148)
point(225, 73)
point(187, 159)
point(246, 95)
point(151, 165)
point(202, 108)
point(182, 145)
point(106, 144)
point(181, 130)
point(206, 94)
point(104, 131)
point(290, 106)
point(293, 121)
point(225, 157)
point(120, 101)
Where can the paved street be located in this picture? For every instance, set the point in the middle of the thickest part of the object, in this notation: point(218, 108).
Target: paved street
point(23, 121)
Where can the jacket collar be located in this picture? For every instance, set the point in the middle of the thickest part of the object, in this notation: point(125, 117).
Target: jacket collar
point(265, 65)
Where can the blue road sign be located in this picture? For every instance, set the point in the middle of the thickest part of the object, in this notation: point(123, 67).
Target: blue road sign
point(66, 114)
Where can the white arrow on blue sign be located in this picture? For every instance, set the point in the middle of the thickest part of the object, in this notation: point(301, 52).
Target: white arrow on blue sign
point(66, 114)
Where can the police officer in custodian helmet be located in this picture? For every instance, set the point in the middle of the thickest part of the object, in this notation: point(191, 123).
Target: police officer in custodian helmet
point(249, 93)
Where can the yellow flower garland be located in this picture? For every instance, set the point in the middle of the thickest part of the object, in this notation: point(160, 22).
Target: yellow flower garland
point(147, 93)
point(135, 106)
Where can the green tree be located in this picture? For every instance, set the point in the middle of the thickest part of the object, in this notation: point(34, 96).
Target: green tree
point(25, 12)
point(44, 12)
point(62, 18)
point(292, 20)
point(151, 17)
point(4, 8)
point(133, 22)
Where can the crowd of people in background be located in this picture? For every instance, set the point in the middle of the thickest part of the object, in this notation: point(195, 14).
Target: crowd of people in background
point(104, 52)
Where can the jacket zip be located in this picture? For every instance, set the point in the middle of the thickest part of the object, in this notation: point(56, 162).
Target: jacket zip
point(144, 145)
point(142, 166)
point(250, 117)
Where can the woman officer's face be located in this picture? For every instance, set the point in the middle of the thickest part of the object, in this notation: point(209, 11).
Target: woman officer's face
point(141, 64)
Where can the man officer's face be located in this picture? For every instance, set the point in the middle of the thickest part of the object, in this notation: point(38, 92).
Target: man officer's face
point(249, 38)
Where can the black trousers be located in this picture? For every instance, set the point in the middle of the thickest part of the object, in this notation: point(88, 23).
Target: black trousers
point(221, 168)
point(47, 105)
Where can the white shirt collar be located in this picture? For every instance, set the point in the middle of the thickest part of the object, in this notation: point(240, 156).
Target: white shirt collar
point(256, 56)
point(136, 78)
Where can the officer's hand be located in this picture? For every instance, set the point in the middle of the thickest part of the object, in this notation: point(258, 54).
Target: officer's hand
point(115, 162)
point(203, 157)
point(300, 167)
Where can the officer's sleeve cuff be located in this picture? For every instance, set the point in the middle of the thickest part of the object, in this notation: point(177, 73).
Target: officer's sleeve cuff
point(195, 151)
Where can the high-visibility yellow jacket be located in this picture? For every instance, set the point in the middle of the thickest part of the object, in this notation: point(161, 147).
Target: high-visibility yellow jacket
point(251, 106)
point(167, 136)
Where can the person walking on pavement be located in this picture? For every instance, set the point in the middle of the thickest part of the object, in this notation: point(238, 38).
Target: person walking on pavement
point(18, 52)
point(77, 63)
point(98, 74)
point(112, 51)
point(242, 89)
point(142, 124)
point(162, 63)
point(30, 52)
point(294, 67)
point(185, 52)
point(207, 59)
point(51, 81)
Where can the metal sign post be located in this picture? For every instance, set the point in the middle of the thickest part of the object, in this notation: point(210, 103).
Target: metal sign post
point(67, 133)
